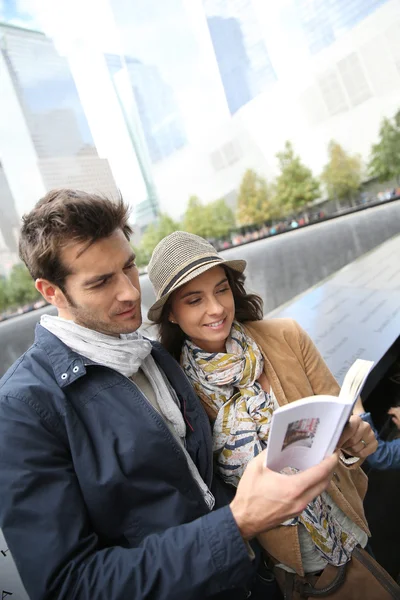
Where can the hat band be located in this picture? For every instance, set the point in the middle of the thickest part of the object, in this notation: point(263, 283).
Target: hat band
point(190, 267)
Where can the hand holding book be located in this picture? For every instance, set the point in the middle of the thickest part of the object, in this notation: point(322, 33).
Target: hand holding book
point(357, 439)
point(304, 432)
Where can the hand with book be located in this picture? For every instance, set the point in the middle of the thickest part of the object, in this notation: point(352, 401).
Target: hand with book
point(303, 432)
point(357, 438)
point(265, 499)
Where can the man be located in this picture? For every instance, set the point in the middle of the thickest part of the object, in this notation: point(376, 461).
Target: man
point(106, 479)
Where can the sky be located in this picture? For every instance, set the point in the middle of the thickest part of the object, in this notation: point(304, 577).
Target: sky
point(19, 12)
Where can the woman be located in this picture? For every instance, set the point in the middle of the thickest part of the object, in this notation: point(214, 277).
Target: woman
point(242, 367)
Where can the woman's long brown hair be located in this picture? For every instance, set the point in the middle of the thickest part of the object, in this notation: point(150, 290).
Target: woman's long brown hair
point(248, 307)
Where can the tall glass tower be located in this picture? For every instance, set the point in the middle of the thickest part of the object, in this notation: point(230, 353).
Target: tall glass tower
point(50, 104)
point(242, 56)
point(161, 122)
point(323, 21)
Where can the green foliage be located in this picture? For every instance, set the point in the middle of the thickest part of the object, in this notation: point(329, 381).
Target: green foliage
point(20, 287)
point(154, 233)
point(220, 218)
point(255, 200)
point(295, 187)
point(342, 174)
point(196, 218)
point(3, 294)
point(385, 155)
point(212, 220)
point(142, 257)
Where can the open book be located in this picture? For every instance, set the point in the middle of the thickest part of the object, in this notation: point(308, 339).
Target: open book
point(302, 433)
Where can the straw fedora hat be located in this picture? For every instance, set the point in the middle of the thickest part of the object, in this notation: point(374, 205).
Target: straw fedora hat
point(177, 259)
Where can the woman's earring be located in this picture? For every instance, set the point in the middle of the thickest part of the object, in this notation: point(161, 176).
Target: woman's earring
point(171, 321)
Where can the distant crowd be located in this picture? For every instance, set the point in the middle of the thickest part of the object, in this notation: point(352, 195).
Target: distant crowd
point(253, 233)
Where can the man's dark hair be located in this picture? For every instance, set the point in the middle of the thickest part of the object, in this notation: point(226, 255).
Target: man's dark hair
point(64, 216)
point(248, 307)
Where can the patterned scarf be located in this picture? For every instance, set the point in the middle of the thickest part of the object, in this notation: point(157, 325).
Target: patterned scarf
point(227, 383)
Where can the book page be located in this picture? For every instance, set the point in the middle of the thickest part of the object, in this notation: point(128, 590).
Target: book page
point(352, 386)
point(304, 432)
point(300, 432)
point(354, 381)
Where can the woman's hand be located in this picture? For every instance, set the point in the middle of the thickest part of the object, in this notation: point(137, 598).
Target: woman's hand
point(357, 438)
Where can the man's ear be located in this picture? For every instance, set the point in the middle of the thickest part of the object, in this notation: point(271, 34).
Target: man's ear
point(51, 293)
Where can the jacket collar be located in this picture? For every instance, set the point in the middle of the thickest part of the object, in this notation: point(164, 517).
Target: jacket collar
point(67, 365)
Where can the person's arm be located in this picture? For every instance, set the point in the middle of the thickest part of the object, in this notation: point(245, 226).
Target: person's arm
point(58, 555)
point(387, 454)
point(45, 522)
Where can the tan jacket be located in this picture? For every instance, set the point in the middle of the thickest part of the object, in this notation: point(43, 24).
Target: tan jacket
point(295, 369)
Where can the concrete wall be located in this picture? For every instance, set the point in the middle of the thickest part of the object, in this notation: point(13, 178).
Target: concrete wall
point(278, 269)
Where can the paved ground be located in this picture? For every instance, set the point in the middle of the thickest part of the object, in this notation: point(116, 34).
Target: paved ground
point(354, 313)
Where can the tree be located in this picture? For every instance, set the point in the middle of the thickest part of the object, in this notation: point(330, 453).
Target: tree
point(342, 174)
point(4, 301)
point(385, 155)
point(220, 218)
point(196, 218)
point(20, 287)
point(212, 220)
point(295, 186)
point(255, 200)
point(141, 256)
point(154, 233)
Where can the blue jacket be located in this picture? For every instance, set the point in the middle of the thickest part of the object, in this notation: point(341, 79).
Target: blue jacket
point(97, 501)
point(387, 454)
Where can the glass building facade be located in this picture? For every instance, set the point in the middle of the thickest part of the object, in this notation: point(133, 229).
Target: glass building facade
point(161, 122)
point(9, 219)
point(243, 61)
point(324, 21)
point(55, 118)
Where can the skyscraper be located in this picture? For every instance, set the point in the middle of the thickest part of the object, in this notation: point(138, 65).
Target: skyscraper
point(161, 121)
point(9, 219)
point(50, 104)
point(324, 21)
point(243, 61)
point(9, 225)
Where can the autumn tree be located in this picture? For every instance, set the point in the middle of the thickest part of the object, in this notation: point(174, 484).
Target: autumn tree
point(295, 186)
point(342, 174)
point(255, 202)
point(384, 160)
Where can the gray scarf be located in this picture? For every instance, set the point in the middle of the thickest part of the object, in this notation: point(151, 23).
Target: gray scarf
point(127, 354)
